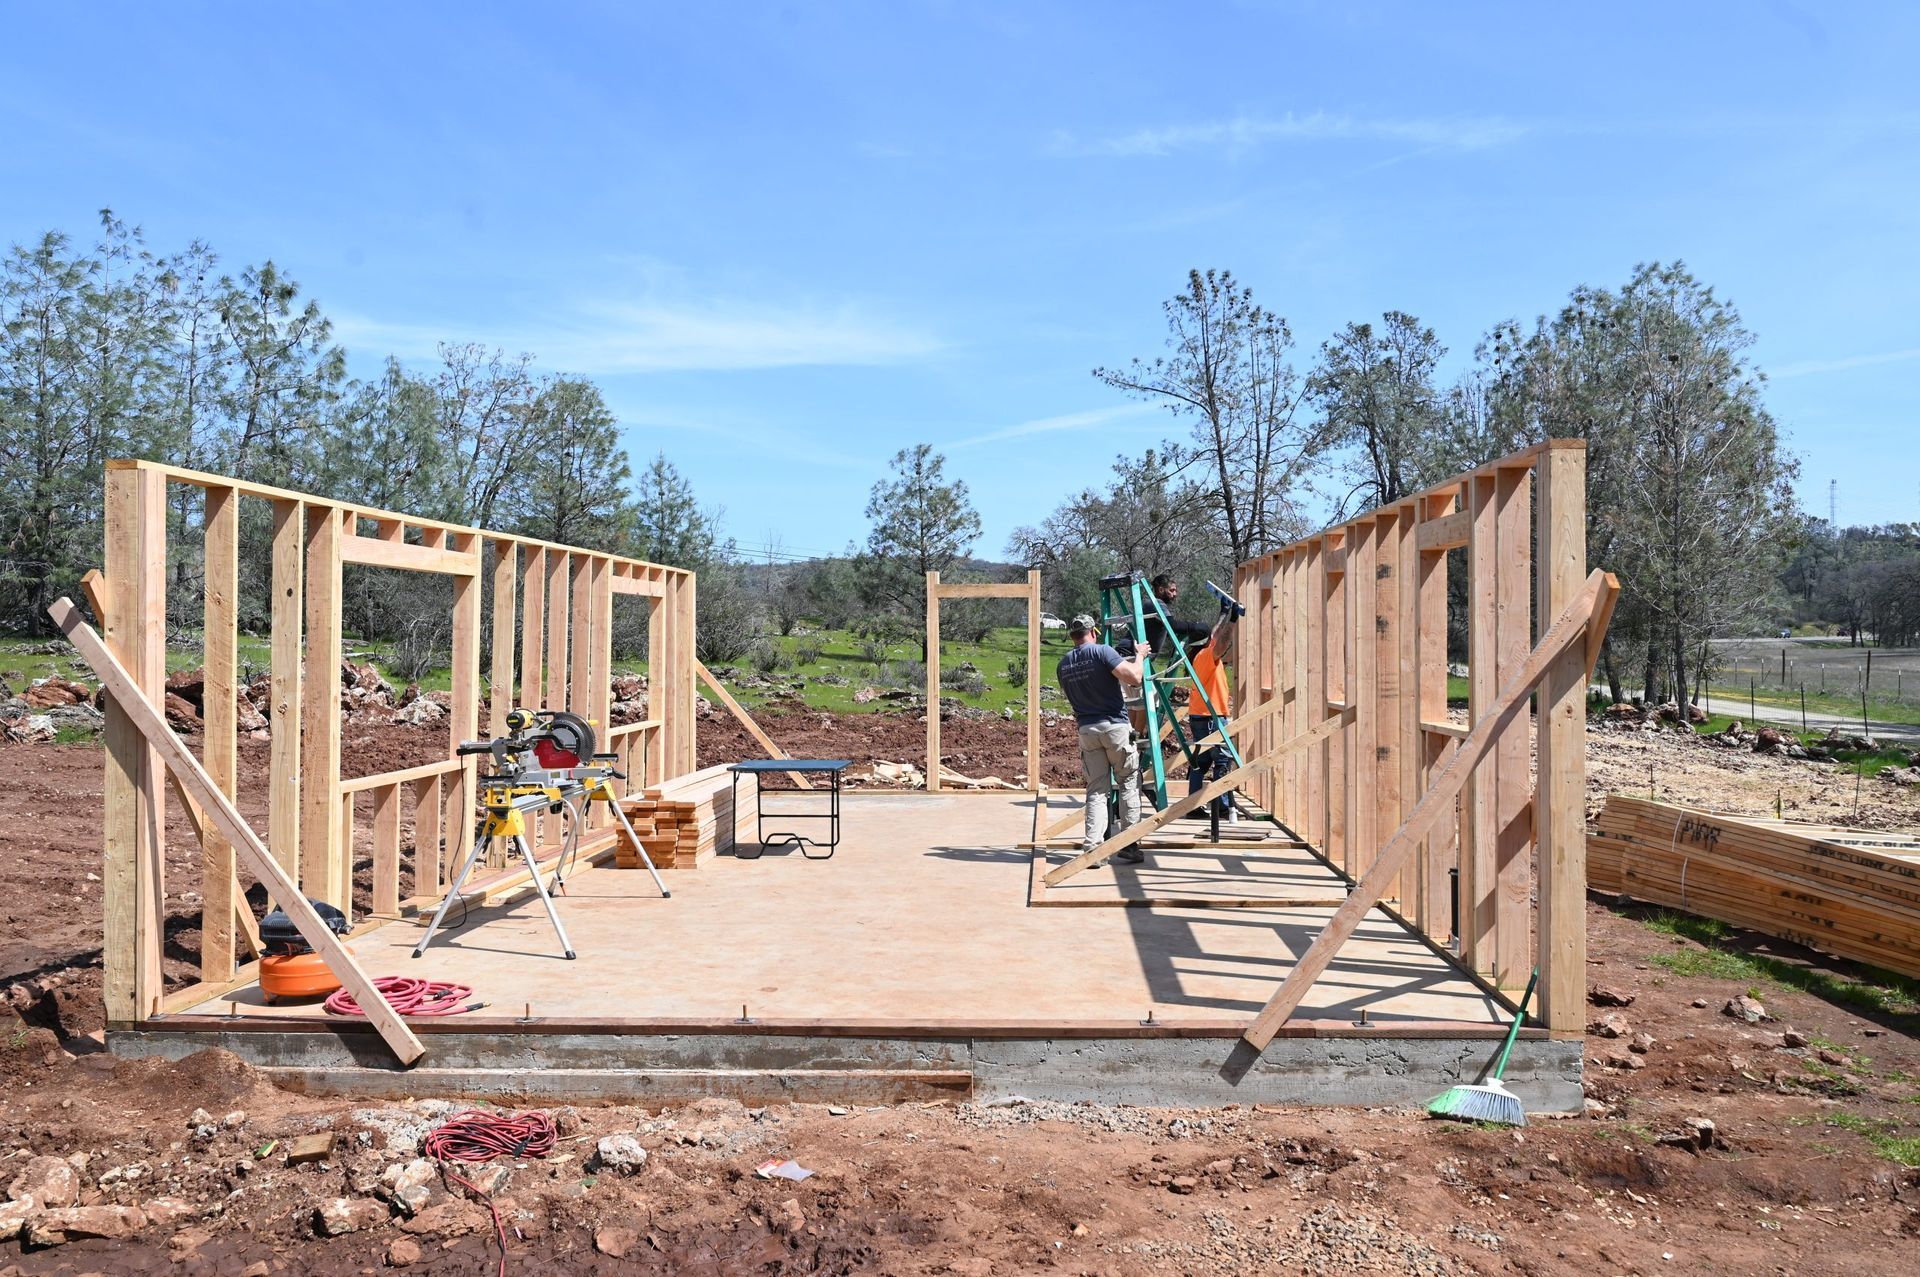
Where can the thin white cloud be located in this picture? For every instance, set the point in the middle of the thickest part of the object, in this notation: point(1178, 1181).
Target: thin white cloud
point(1245, 133)
point(605, 338)
point(789, 444)
point(1093, 419)
point(1809, 367)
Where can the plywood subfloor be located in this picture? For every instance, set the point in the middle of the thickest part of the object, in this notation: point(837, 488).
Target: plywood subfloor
point(922, 917)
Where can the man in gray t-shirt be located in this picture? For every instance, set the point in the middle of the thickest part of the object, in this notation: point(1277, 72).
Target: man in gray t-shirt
point(1093, 676)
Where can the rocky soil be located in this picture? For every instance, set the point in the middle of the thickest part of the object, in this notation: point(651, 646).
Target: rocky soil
point(1737, 1123)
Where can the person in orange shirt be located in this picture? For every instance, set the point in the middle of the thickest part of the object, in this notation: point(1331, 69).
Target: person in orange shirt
point(1209, 666)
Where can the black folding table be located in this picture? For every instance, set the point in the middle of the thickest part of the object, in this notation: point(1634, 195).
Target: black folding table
point(758, 767)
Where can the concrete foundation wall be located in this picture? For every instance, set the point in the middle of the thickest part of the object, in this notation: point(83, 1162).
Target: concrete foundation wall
point(1375, 1071)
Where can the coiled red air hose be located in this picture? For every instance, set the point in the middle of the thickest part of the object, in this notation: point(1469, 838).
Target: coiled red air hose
point(408, 996)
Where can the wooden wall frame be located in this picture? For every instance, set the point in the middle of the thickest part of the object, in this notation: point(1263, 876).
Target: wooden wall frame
point(1353, 621)
point(562, 596)
point(1030, 591)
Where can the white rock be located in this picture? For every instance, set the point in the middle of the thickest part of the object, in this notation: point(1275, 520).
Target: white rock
point(621, 1152)
point(410, 1184)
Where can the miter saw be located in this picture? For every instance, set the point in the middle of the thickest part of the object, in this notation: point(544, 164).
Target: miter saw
point(547, 761)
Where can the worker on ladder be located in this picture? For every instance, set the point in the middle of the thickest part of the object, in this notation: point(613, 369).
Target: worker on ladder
point(1210, 672)
point(1186, 633)
point(1093, 676)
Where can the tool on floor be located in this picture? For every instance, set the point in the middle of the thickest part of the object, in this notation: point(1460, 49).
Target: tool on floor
point(290, 968)
point(548, 762)
point(410, 996)
point(1489, 1101)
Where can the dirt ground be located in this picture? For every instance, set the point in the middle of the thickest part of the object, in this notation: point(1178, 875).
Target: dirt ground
point(1808, 1109)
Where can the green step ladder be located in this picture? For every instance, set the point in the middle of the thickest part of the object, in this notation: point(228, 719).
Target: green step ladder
point(1124, 603)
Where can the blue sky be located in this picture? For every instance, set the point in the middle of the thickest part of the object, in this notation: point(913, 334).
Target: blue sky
point(790, 239)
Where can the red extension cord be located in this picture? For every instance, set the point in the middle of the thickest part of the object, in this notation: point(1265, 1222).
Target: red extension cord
point(408, 996)
point(474, 1136)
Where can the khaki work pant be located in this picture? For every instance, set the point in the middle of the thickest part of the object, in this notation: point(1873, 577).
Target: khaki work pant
point(1109, 760)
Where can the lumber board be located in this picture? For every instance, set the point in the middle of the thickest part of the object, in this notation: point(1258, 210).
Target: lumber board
point(1559, 803)
point(405, 774)
point(979, 590)
point(500, 679)
point(1239, 726)
point(1428, 702)
point(352, 512)
point(283, 744)
point(1477, 875)
point(1193, 801)
point(386, 850)
point(463, 722)
point(125, 754)
point(1361, 684)
point(533, 628)
point(383, 553)
point(1334, 647)
point(1036, 766)
point(152, 725)
point(1513, 778)
point(559, 629)
point(1567, 629)
point(1448, 532)
point(323, 875)
point(1811, 884)
point(746, 720)
point(219, 707)
point(580, 643)
point(1313, 655)
point(933, 683)
point(149, 621)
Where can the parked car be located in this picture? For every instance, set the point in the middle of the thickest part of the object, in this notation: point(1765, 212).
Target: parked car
point(1048, 621)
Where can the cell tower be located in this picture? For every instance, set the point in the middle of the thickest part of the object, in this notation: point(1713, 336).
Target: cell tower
point(1833, 505)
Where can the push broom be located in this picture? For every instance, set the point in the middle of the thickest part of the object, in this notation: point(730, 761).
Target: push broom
point(1489, 1101)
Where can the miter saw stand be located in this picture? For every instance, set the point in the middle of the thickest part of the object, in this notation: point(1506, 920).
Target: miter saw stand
point(547, 763)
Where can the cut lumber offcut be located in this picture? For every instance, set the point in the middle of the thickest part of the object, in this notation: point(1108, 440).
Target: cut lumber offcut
point(746, 720)
point(1851, 893)
point(1198, 799)
point(948, 776)
point(1590, 603)
point(217, 809)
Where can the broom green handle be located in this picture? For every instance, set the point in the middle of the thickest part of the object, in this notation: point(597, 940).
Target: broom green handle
point(1513, 1030)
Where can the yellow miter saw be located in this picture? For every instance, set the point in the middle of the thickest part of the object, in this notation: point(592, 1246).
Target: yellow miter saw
point(547, 761)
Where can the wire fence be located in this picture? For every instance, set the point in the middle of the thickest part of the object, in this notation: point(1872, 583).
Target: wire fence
point(1857, 687)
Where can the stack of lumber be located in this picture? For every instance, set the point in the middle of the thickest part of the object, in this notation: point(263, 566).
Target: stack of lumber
point(687, 821)
point(1853, 893)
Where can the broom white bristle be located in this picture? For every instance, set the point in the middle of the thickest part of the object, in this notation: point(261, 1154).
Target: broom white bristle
point(1490, 1102)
